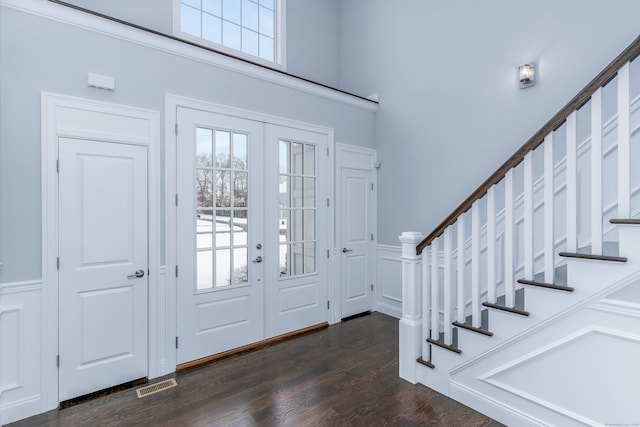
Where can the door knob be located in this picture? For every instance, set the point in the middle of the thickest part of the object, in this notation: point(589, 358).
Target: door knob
point(257, 260)
point(136, 275)
point(345, 250)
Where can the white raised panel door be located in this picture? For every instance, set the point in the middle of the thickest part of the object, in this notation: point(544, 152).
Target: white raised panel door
point(102, 244)
point(356, 240)
point(219, 233)
point(296, 229)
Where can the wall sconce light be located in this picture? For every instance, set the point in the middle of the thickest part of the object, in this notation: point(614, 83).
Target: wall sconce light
point(526, 75)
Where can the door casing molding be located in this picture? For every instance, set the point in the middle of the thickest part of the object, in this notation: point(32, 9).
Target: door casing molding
point(360, 158)
point(172, 103)
point(72, 117)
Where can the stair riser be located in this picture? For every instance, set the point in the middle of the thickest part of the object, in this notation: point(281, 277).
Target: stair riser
point(546, 302)
point(473, 343)
point(590, 276)
point(504, 325)
point(629, 241)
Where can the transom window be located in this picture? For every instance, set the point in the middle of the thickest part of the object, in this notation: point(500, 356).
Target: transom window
point(298, 208)
point(247, 26)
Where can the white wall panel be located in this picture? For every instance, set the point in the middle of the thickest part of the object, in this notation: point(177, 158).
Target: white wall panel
point(388, 286)
point(20, 350)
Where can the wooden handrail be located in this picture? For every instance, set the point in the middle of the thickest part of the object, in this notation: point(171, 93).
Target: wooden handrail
point(578, 101)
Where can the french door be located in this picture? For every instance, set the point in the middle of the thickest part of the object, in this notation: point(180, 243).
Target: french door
point(248, 232)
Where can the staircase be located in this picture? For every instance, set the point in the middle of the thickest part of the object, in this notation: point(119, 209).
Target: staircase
point(524, 304)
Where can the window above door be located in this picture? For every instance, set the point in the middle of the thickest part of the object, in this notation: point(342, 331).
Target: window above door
point(249, 29)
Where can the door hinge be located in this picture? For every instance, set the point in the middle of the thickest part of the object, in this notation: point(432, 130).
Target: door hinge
point(327, 151)
point(58, 263)
point(327, 253)
point(176, 128)
point(176, 271)
point(327, 304)
point(176, 342)
point(372, 186)
point(327, 202)
point(371, 236)
point(176, 200)
point(57, 360)
point(58, 166)
point(372, 287)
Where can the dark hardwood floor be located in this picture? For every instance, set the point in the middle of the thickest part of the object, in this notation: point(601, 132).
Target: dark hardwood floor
point(345, 375)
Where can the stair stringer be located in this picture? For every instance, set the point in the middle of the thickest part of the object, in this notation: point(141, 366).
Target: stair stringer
point(574, 368)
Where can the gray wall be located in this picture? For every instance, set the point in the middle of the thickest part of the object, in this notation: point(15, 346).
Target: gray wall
point(450, 111)
point(40, 55)
point(312, 28)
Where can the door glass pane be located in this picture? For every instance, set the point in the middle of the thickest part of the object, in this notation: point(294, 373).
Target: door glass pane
point(205, 269)
point(309, 258)
point(240, 266)
point(284, 260)
point(309, 159)
point(204, 147)
point(296, 225)
point(240, 187)
point(240, 228)
point(296, 191)
point(298, 206)
point(240, 159)
point(222, 181)
point(204, 188)
point(296, 158)
point(223, 267)
point(297, 260)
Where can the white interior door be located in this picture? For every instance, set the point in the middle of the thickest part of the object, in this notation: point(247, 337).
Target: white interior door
point(103, 265)
point(297, 230)
point(356, 238)
point(219, 233)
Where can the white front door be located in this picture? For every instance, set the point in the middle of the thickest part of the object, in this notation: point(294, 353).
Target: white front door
point(251, 229)
point(356, 240)
point(220, 233)
point(103, 265)
point(297, 230)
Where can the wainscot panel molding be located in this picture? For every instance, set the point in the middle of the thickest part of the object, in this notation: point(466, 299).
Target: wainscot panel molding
point(388, 295)
point(20, 348)
point(97, 24)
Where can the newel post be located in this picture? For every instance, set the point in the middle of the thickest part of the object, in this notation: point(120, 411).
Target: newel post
point(411, 321)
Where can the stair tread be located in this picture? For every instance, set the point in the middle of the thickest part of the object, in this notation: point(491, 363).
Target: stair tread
point(625, 221)
point(559, 276)
point(443, 345)
point(546, 285)
point(593, 257)
point(473, 328)
point(507, 309)
point(426, 363)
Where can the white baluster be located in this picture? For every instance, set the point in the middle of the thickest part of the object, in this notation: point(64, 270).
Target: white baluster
point(435, 290)
point(426, 298)
point(448, 330)
point(549, 243)
point(572, 184)
point(491, 245)
point(596, 172)
point(508, 239)
point(624, 153)
point(475, 264)
point(528, 216)
point(460, 270)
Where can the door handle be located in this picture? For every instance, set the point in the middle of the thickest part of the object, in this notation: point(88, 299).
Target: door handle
point(345, 250)
point(257, 260)
point(136, 275)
